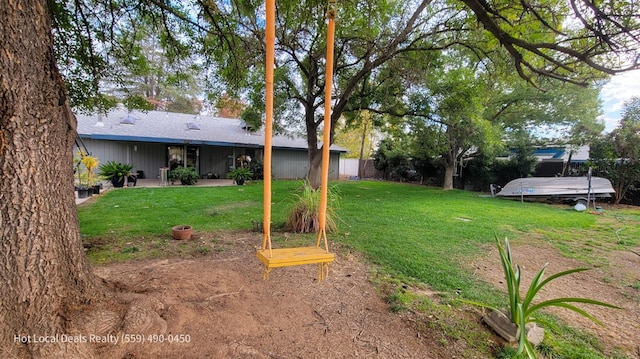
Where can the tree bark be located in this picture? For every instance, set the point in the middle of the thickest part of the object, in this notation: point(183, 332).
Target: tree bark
point(449, 170)
point(315, 167)
point(43, 268)
point(362, 142)
point(620, 192)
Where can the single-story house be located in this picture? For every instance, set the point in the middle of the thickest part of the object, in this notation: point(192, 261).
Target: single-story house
point(552, 160)
point(212, 145)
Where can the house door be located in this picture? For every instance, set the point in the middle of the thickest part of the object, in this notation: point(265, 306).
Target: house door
point(187, 156)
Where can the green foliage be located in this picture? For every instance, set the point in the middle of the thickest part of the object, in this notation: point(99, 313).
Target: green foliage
point(392, 159)
point(509, 353)
point(616, 156)
point(252, 117)
point(137, 102)
point(240, 173)
point(522, 310)
point(257, 169)
point(304, 217)
point(113, 169)
point(108, 44)
point(521, 164)
point(186, 175)
point(390, 54)
point(357, 134)
point(183, 104)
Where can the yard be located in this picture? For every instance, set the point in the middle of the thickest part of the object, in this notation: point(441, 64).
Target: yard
point(405, 255)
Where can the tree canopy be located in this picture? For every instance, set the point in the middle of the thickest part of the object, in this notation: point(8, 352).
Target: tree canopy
point(380, 47)
point(616, 155)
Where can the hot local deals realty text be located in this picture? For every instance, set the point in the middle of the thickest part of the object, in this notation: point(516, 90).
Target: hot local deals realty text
point(66, 338)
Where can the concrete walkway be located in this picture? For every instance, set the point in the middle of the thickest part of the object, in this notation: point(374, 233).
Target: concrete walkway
point(146, 183)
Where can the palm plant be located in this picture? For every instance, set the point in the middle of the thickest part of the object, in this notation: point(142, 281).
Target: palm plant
point(115, 172)
point(240, 174)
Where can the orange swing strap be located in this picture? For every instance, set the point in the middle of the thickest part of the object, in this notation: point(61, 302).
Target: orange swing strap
point(283, 257)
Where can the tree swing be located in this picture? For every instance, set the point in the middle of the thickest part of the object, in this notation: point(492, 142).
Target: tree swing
point(284, 257)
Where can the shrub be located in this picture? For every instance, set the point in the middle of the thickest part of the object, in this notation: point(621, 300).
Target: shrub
point(240, 173)
point(304, 217)
point(186, 175)
point(112, 169)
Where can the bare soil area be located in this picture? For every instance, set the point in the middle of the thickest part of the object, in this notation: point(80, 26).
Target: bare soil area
point(217, 305)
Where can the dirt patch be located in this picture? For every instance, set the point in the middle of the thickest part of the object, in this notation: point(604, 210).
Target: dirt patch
point(218, 306)
point(617, 283)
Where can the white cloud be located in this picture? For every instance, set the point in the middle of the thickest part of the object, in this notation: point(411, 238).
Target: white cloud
point(620, 88)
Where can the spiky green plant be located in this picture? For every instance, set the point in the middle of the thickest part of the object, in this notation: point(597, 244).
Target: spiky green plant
point(522, 309)
point(304, 217)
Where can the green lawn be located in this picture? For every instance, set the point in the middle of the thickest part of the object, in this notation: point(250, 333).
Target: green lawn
point(413, 234)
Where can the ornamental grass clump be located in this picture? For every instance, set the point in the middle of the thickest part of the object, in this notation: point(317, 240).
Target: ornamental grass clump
point(522, 310)
point(304, 217)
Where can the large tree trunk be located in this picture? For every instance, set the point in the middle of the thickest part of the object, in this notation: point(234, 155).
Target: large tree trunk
point(315, 167)
point(43, 268)
point(449, 167)
point(449, 170)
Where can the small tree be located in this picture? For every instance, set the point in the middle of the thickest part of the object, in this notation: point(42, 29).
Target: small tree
point(616, 156)
point(392, 159)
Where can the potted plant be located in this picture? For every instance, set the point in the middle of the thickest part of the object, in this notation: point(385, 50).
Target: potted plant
point(84, 170)
point(83, 191)
point(517, 323)
point(90, 164)
point(115, 172)
point(240, 174)
point(181, 232)
point(186, 175)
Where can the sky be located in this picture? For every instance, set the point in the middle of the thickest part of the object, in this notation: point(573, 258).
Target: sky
point(620, 88)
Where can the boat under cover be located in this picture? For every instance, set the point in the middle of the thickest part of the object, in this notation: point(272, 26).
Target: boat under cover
point(557, 187)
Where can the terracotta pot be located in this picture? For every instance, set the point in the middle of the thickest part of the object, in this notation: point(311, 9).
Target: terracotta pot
point(181, 232)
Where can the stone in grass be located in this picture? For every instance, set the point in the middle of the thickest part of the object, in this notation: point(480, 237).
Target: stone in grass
point(500, 322)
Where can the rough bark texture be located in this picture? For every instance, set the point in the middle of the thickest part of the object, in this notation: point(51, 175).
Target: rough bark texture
point(43, 268)
point(315, 167)
point(449, 170)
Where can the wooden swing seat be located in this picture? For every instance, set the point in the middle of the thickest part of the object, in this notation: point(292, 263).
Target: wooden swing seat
point(285, 257)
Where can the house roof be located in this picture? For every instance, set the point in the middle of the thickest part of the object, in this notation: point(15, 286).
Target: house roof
point(169, 127)
point(562, 153)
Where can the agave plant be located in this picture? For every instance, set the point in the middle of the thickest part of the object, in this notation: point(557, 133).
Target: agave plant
point(522, 310)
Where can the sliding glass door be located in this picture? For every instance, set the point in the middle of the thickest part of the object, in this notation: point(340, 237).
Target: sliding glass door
point(183, 156)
